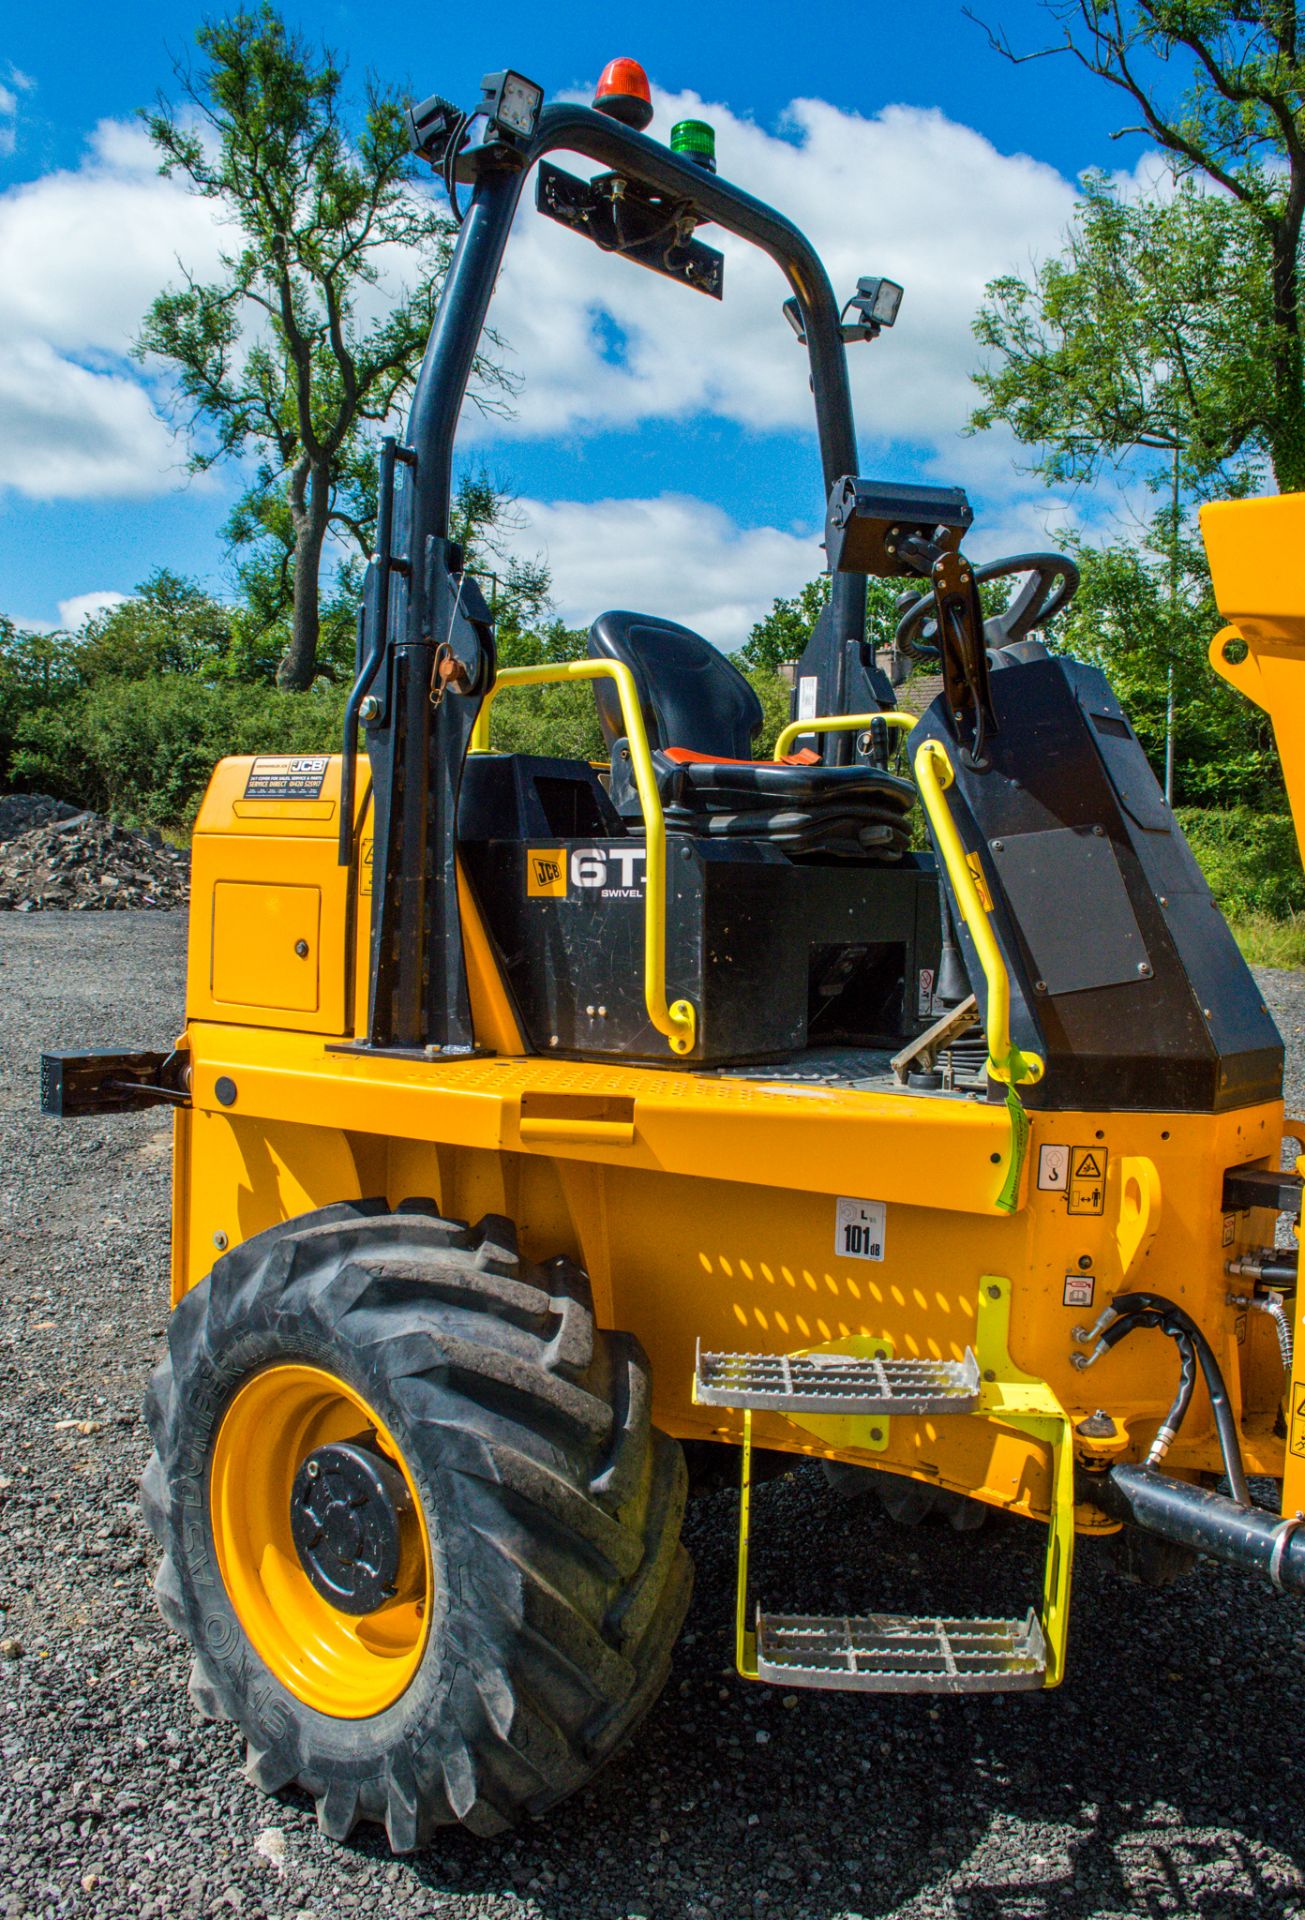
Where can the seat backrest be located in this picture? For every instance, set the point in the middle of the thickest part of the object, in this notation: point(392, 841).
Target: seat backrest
point(691, 695)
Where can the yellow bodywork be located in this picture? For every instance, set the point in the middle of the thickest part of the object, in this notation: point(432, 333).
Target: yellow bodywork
point(1255, 547)
point(703, 1206)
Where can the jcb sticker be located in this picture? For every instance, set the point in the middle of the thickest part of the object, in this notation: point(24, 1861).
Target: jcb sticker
point(1087, 1179)
point(1080, 1289)
point(285, 776)
point(614, 873)
point(859, 1230)
point(546, 873)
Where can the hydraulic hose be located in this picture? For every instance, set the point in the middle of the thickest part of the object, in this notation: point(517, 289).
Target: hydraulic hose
point(1166, 1316)
point(1167, 1432)
point(1271, 1306)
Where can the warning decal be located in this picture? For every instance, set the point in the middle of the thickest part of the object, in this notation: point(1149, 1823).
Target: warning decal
point(368, 861)
point(545, 873)
point(1296, 1439)
point(1087, 1179)
point(1053, 1169)
point(859, 1230)
point(1080, 1289)
point(284, 776)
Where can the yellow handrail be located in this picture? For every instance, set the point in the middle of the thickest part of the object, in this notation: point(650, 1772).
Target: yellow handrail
point(676, 1018)
point(839, 723)
point(1006, 1061)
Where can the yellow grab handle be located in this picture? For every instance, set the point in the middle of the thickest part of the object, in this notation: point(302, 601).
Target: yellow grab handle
point(598, 1133)
point(676, 1019)
point(839, 723)
point(1006, 1061)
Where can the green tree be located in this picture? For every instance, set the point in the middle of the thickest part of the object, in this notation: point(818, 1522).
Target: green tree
point(170, 625)
point(1219, 86)
point(781, 635)
point(144, 750)
point(36, 670)
point(1151, 332)
point(296, 353)
point(1146, 611)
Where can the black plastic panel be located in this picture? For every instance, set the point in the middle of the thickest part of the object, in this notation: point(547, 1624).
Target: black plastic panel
point(774, 955)
point(1193, 1035)
point(1098, 943)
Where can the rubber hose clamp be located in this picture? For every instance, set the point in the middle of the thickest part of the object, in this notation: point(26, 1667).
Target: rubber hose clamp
point(1282, 1538)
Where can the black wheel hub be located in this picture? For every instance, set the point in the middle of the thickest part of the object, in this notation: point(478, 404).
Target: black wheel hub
point(352, 1519)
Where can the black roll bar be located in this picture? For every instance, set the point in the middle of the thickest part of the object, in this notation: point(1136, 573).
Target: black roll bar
point(418, 998)
point(498, 177)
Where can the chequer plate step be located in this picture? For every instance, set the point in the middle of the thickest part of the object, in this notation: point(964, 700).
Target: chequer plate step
point(901, 1653)
point(834, 1383)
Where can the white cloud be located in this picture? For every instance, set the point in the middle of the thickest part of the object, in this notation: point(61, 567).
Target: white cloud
point(70, 432)
point(17, 83)
point(600, 344)
point(687, 559)
point(82, 253)
point(906, 192)
point(674, 555)
point(74, 613)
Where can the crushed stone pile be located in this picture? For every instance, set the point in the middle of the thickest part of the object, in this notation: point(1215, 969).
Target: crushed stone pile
point(85, 864)
point(21, 811)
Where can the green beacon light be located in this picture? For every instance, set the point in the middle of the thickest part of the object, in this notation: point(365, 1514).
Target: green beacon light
point(696, 141)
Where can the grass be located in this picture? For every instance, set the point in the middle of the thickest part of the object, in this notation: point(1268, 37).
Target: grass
point(1269, 942)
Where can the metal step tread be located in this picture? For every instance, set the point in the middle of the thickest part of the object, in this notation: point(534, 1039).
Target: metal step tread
point(837, 1383)
point(901, 1653)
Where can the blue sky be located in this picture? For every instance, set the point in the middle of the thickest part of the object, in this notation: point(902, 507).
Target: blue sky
point(679, 472)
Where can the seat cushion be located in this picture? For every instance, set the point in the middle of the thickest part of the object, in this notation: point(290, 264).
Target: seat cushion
point(856, 813)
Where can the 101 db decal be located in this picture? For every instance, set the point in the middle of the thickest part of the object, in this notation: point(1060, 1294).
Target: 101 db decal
point(859, 1229)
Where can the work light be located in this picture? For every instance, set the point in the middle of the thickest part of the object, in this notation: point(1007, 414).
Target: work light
point(511, 103)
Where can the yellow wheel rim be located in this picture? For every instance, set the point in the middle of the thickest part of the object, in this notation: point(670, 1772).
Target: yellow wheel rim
point(346, 1665)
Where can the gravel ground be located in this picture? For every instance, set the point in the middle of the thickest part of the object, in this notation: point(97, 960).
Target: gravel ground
point(1164, 1778)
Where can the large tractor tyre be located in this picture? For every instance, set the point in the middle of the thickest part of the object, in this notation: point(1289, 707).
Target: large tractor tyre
point(416, 1523)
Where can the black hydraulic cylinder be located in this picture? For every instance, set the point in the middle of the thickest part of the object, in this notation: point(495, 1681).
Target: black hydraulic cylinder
point(1210, 1523)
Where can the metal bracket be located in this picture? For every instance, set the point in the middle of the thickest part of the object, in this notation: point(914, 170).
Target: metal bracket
point(622, 217)
point(105, 1080)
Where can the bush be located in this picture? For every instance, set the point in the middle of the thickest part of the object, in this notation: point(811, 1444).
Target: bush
point(1250, 859)
point(143, 750)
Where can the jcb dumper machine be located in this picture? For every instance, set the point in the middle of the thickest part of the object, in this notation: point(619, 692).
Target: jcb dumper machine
point(543, 1128)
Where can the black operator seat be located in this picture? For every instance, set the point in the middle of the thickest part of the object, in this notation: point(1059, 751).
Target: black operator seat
point(702, 718)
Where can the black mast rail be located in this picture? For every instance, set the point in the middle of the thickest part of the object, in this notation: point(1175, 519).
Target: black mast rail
point(417, 738)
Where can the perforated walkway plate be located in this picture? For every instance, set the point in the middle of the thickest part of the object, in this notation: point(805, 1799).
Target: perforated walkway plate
point(899, 1653)
point(837, 1383)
